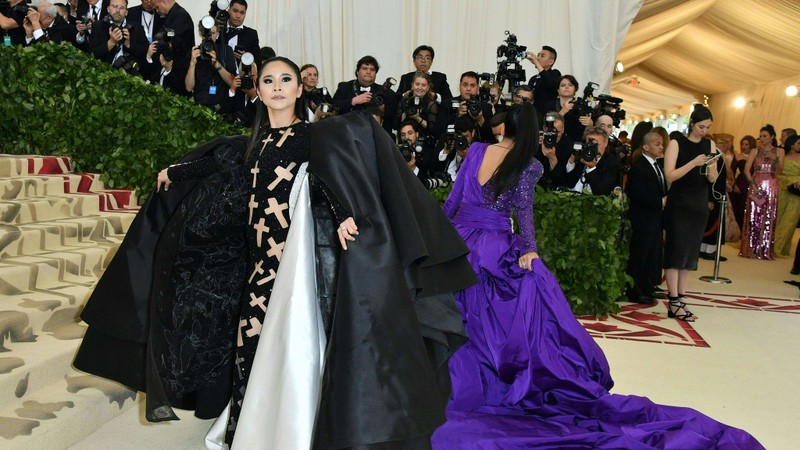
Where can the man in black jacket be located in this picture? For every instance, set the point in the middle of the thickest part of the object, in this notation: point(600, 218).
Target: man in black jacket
point(598, 175)
point(114, 37)
point(647, 191)
point(12, 17)
point(46, 25)
point(237, 35)
point(176, 18)
point(146, 16)
point(544, 83)
point(468, 89)
point(355, 95)
point(423, 59)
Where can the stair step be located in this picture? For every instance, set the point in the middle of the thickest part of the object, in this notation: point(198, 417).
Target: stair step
point(43, 311)
point(31, 187)
point(62, 412)
point(22, 165)
point(33, 239)
point(52, 270)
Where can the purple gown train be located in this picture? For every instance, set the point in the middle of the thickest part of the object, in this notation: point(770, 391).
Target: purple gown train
point(530, 375)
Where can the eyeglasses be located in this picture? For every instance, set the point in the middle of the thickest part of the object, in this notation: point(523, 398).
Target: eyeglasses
point(423, 58)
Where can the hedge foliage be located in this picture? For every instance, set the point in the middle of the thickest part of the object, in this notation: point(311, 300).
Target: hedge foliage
point(584, 239)
point(57, 100)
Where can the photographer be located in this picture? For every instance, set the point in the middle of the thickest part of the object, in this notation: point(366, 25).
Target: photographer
point(160, 66)
point(544, 83)
point(523, 93)
point(146, 16)
point(423, 60)
point(419, 104)
point(240, 105)
point(410, 136)
point(240, 38)
point(177, 19)
point(592, 170)
point(556, 152)
point(363, 91)
point(453, 146)
point(314, 96)
point(208, 79)
point(117, 42)
point(470, 106)
point(12, 18)
point(44, 24)
point(88, 13)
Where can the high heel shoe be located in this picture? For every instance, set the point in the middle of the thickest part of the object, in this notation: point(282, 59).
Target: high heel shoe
point(675, 305)
point(683, 305)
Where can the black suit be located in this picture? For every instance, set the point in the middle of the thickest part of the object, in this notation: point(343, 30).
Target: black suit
point(181, 22)
point(174, 81)
point(484, 131)
point(85, 10)
point(237, 109)
point(98, 43)
point(557, 176)
point(59, 31)
point(135, 16)
point(247, 39)
point(545, 89)
point(603, 179)
point(440, 85)
point(347, 90)
point(646, 192)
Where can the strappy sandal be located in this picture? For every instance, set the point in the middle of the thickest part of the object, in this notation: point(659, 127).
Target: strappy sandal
point(683, 305)
point(675, 305)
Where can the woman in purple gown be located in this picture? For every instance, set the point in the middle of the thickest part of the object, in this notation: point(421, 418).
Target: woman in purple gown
point(530, 375)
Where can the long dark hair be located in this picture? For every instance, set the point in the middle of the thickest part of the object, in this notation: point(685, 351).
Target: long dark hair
point(771, 130)
point(262, 117)
point(523, 127)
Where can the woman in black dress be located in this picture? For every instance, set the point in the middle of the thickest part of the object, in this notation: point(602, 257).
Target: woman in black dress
point(686, 212)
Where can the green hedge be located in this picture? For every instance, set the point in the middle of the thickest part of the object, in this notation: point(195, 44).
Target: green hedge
point(584, 240)
point(57, 100)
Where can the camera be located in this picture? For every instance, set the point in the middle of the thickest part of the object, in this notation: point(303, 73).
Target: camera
point(379, 98)
point(439, 180)
point(163, 40)
point(115, 26)
point(406, 150)
point(610, 106)
point(412, 105)
point(550, 135)
point(473, 108)
point(585, 152)
point(207, 44)
point(219, 11)
point(454, 139)
point(584, 106)
point(126, 63)
point(245, 74)
point(509, 57)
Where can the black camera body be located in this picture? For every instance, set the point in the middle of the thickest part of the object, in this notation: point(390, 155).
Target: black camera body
point(610, 106)
point(457, 140)
point(584, 106)
point(126, 63)
point(474, 107)
point(550, 134)
point(379, 97)
point(412, 105)
point(587, 151)
point(163, 40)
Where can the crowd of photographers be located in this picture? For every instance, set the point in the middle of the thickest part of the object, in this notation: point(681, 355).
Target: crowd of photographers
point(433, 128)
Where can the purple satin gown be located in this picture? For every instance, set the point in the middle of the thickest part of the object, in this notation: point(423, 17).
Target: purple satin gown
point(530, 375)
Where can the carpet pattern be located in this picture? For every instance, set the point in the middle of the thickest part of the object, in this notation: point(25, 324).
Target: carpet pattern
point(649, 323)
point(58, 231)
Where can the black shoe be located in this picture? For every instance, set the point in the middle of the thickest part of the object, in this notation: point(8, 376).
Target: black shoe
point(657, 295)
point(795, 271)
point(712, 256)
point(644, 300)
point(658, 289)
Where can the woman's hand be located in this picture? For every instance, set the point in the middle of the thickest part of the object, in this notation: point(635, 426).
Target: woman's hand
point(163, 178)
point(347, 231)
point(526, 259)
point(585, 121)
point(699, 160)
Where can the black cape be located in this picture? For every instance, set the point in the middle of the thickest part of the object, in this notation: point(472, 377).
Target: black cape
point(394, 324)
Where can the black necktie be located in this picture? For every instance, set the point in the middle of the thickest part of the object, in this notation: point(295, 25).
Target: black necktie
point(661, 184)
point(94, 13)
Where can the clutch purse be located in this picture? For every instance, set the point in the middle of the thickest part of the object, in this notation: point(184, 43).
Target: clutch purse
point(793, 190)
point(758, 198)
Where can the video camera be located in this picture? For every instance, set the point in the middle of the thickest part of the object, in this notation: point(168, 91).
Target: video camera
point(584, 106)
point(610, 106)
point(509, 57)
